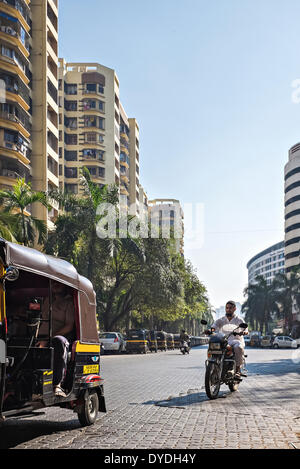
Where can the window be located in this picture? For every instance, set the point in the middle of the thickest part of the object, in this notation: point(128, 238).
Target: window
point(71, 155)
point(94, 88)
point(71, 122)
point(91, 137)
point(71, 172)
point(10, 136)
point(70, 88)
point(72, 188)
point(7, 52)
point(93, 153)
point(71, 139)
point(70, 105)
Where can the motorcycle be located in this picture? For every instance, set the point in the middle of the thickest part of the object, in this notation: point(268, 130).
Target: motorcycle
point(220, 363)
point(184, 348)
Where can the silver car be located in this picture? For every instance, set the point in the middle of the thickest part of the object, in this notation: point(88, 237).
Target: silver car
point(284, 341)
point(112, 341)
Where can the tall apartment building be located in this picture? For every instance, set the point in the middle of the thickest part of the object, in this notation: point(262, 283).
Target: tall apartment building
point(292, 208)
point(94, 130)
point(167, 214)
point(292, 213)
point(29, 111)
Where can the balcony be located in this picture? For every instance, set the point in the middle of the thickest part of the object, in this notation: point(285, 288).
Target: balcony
point(10, 62)
point(92, 105)
point(15, 123)
point(52, 90)
point(92, 139)
point(93, 155)
point(124, 176)
point(93, 122)
point(93, 88)
point(96, 173)
point(124, 190)
point(13, 93)
point(16, 7)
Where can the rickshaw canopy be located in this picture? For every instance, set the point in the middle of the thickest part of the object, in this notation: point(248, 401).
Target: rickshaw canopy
point(36, 262)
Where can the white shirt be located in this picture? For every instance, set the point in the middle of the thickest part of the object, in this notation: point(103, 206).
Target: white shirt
point(236, 321)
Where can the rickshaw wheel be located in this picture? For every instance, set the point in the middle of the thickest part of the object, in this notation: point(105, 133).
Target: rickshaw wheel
point(87, 413)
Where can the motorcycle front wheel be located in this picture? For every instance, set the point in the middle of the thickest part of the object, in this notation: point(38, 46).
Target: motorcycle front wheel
point(212, 380)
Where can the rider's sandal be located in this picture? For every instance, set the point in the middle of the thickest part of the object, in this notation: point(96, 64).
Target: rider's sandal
point(58, 391)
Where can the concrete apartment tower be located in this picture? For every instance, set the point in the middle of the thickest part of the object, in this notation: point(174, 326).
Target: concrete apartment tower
point(94, 130)
point(292, 214)
point(29, 111)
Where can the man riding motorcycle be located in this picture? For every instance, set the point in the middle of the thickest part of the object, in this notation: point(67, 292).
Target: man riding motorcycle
point(184, 337)
point(237, 342)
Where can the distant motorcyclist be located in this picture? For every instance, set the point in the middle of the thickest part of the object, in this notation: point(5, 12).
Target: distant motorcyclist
point(237, 342)
point(184, 337)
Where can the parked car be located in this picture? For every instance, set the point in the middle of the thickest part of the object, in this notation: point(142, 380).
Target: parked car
point(112, 341)
point(283, 341)
point(247, 340)
point(255, 339)
point(266, 341)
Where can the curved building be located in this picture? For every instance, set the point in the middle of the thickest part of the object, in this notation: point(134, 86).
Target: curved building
point(292, 208)
point(267, 263)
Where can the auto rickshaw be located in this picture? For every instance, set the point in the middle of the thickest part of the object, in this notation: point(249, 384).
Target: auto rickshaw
point(26, 377)
point(138, 340)
point(153, 341)
point(161, 340)
point(170, 341)
point(177, 341)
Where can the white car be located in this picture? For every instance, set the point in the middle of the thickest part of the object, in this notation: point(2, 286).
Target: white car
point(112, 341)
point(284, 341)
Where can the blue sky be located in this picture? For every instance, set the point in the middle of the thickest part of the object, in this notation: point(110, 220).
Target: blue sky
point(210, 83)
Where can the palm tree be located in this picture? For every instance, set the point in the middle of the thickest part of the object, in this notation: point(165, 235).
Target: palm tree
point(15, 202)
point(7, 222)
point(260, 304)
point(287, 287)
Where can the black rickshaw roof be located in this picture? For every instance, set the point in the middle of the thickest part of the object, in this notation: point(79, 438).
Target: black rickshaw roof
point(36, 262)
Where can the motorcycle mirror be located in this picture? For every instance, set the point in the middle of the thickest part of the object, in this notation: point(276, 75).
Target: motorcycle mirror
point(203, 322)
point(11, 274)
point(243, 325)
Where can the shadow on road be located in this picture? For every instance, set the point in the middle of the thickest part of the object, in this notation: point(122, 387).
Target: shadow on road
point(273, 367)
point(15, 432)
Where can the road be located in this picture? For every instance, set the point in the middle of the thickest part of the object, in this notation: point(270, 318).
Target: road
point(158, 401)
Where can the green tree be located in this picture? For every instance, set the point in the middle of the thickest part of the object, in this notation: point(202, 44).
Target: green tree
point(287, 291)
point(7, 229)
point(15, 202)
point(260, 304)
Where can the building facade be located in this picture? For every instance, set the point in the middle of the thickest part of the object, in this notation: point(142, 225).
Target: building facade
point(292, 208)
point(267, 263)
point(29, 111)
point(292, 214)
point(95, 132)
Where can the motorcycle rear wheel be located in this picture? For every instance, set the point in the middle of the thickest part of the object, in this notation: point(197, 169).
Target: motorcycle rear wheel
point(212, 380)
